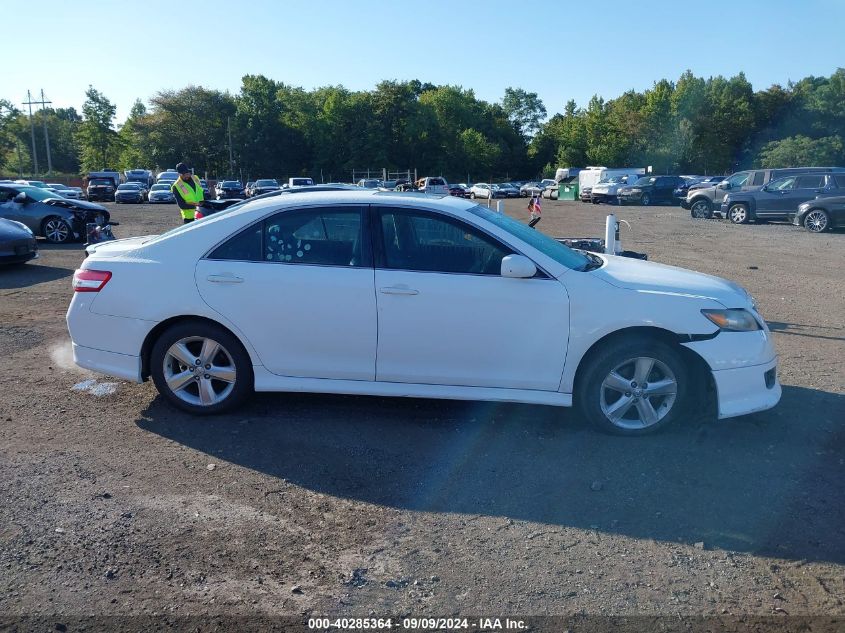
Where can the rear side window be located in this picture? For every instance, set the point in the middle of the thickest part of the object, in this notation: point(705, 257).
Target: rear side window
point(814, 181)
point(839, 179)
point(243, 247)
point(436, 182)
point(324, 236)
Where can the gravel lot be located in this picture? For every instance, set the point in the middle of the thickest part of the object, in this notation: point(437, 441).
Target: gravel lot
point(326, 505)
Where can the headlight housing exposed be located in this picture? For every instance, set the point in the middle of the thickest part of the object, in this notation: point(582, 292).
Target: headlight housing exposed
point(733, 319)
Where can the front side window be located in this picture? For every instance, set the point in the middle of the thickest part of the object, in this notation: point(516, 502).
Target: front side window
point(428, 242)
point(738, 180)
point(782, 184)
point(758, 179)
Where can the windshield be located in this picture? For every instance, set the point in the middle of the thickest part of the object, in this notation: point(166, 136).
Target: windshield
point(160, 188)
point(58, 186)
point(646, 180)
point(552, 248)
point(101, 181)
point(266, 183)
point(130, 185)
point(231, 183)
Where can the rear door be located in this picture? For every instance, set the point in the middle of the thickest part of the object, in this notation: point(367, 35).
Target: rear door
point(299, 285)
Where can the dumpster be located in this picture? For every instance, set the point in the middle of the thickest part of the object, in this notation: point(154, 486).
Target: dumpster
point(568, 189)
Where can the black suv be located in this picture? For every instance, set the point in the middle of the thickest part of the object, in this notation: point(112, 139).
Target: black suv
point(781, 197)
point(650, 190)
point(820, 214)
point(101, 189)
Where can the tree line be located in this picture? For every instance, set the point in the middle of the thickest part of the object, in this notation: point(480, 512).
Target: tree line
point(271, 129)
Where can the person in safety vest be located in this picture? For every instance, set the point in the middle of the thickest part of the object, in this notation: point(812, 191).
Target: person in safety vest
point(188, 192)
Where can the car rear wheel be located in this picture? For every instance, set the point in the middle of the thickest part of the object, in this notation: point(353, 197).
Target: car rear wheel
point(201, 368)
point(634, 388)
point(472, 195)
point(645, 200)
point(56, 230)
point(816, 221)
point(701, 209)
point(738, 213)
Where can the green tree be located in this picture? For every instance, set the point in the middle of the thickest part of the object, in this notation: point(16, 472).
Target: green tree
point(796, 151)
point(99, 143)
point(524, 109)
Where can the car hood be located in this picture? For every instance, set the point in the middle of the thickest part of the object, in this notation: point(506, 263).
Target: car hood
point(13, 230)
point(645, 276)
point(114, 248)
point(67, 203)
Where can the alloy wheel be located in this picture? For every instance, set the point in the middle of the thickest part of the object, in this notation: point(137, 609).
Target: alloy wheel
point(816, 221)
point(738, 214)
point(56, 230)
point(700, 209)
point(638, 393)
point(199, 371)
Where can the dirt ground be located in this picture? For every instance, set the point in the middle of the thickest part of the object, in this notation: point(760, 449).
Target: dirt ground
point(311, 505)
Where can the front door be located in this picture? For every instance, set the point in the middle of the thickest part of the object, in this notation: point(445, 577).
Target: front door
point(448, 317)
point(299, 285)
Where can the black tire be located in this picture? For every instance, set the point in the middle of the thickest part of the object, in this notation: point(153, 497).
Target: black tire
point(233, 354)
point(701, 209)
point(592, 394)
point(56, 230)
point(645, 200)
point(738, 213)
point(594, 200)
point(472, 195)
point(816, 221)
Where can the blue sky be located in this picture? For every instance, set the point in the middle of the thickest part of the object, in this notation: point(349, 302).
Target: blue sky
point(561, 50)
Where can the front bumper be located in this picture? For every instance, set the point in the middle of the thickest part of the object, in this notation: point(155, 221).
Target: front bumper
point(629, 197)
point(744, 369)
point(603, 197)
point(685, 203)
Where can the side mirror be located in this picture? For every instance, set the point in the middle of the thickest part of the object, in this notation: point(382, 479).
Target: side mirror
point(764, 188)
point(518, 267)
point(21, 197)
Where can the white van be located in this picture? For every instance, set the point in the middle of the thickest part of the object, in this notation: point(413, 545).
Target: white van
point(300, 182)
point(434, 185)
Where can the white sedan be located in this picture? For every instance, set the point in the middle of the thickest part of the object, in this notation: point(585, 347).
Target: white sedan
point(485, 190)
point(362, 292)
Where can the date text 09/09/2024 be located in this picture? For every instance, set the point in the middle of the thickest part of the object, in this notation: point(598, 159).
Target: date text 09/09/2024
point(418, 624)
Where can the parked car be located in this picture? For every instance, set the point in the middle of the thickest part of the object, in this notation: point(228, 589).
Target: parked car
point(532, 189)
point(59, 220)
point(33, 183)
point(130, 192)
point(485, 190)
point(300, 182)
point(433, 185)
point(169, 176)
point(508, 190)
point(101, 189)
point(17, 242)
point(781, 197)
point(707, 201)
point(206, 191)
point(74, 193)
point(161, 193)
point(229, 189)
point(649, 190)
point(265, 185)
point(248, 189)
point(607, 189)
point(390, 323)
point(820, 214)
point(458, 191)
point(369, 183)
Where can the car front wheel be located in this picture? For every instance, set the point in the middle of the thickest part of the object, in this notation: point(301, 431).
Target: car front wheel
point(816, 221)
point(201, 368)
point(57, 230)
point(738, 213)
point(645, 200)
point(701, 209)
point(634, 388)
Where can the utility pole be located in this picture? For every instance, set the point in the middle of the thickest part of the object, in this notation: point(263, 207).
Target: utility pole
point(29, 102)
point(46, 133)
point(231, 162)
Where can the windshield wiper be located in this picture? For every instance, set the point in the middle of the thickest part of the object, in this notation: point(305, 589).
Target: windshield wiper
point(595, 262)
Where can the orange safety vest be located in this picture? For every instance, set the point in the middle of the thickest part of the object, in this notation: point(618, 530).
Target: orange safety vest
point(193, 196)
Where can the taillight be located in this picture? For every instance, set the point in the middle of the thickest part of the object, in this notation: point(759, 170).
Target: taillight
point(198, 215)
point(90, 280)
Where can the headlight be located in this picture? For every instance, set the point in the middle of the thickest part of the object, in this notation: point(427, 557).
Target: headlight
point(636, 190)
point(733, 320)
point(24, 227)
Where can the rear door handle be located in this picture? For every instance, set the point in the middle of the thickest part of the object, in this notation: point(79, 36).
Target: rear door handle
point(398, 290)
point(226, 278)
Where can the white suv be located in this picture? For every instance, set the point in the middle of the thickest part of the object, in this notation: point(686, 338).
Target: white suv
point(435, 185)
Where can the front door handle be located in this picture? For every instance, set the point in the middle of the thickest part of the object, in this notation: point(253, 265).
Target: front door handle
point(398, 290)
point(226, 278)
